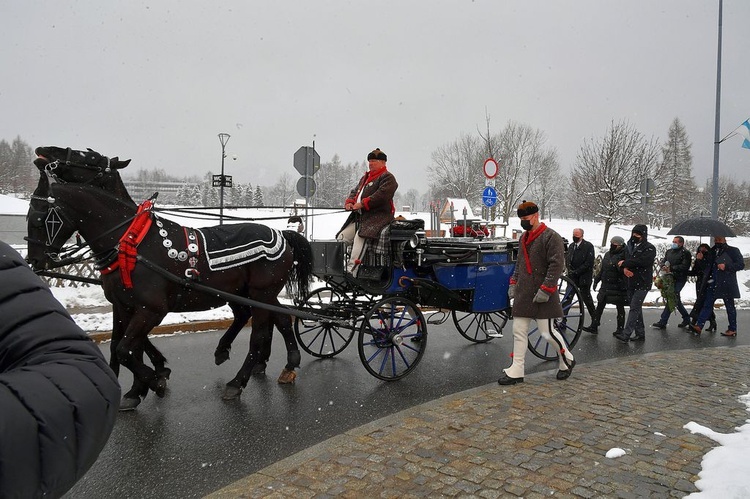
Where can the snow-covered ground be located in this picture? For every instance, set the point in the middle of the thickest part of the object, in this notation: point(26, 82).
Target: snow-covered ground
point(726, 469)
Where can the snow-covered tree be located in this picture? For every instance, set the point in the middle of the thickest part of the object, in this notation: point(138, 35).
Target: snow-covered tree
point(675, 184)
point(258, 197)
point(607, 176)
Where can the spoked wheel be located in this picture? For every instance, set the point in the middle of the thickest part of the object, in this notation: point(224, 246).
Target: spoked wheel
point(327, 336)
point(480, 327)
point(569, 326)
point(392, 338)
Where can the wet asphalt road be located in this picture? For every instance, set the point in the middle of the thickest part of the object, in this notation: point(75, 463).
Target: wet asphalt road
point(192, 442)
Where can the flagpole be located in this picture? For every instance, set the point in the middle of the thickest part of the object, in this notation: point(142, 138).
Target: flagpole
point(715, 193)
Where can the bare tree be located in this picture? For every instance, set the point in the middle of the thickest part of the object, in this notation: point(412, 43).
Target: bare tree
point(456, 169)
point(282, 192)
point(606, 179)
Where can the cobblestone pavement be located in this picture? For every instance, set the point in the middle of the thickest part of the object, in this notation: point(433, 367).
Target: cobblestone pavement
point(540, 438)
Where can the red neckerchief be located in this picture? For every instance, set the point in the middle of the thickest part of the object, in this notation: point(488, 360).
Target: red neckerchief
point(369, 176)
point(131, 239)
point(526, 239)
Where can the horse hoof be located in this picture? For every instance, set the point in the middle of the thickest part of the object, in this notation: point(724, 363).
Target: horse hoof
point(287, 376)
point(259, 368)
point(164, 373)
point(129, 404)
point(221, 356)
point(161, 387)
point(231, 392)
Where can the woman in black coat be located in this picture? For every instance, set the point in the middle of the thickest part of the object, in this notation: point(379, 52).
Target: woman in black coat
point(58, 397)
point(614, 289)
point(698, 269)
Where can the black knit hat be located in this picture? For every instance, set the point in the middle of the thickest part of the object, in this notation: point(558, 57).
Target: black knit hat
point(640, 229)
point(527, 208)
point(377, 154)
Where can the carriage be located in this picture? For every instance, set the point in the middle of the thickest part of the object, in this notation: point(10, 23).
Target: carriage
point(408, 281)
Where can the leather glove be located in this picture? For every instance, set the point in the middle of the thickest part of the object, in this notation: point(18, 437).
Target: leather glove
point(541, 296)
point(512, 291)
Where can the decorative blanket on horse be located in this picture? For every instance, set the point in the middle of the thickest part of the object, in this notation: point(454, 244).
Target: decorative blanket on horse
point(230, 246)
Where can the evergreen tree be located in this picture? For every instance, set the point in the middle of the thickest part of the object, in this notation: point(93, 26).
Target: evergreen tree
point(258, 198)
point(675, 184)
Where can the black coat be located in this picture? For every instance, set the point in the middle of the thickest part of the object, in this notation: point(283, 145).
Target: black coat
point(679, 263)
point(580, 263)
point(724, 281)
point(58, 397)
point(614, 288)
point(640, 261)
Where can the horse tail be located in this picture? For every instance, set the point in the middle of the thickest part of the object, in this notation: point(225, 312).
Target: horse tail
point(300, 277)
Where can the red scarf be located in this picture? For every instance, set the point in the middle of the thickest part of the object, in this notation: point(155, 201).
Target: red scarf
point(526, 239)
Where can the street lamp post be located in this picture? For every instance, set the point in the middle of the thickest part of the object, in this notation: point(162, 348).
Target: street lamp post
point(223, 138)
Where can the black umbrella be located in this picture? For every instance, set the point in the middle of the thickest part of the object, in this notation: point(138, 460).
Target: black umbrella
point(701, 227)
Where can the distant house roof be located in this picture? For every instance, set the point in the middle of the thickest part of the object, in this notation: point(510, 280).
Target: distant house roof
point(458, 210)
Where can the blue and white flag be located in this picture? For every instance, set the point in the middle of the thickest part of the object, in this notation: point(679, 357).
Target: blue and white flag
point(744, 130)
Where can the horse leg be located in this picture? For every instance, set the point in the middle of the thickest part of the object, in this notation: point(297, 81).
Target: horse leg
point(264, 353)
point(241, 315)
point(159, 362)
point(130, 354)
point(258, 337)
point(284, 324)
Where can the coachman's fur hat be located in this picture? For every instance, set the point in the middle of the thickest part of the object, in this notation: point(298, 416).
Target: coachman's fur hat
point(527, 208)
point(377, 154)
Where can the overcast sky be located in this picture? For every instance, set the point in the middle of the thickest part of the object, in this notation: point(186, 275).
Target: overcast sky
point(156, 81)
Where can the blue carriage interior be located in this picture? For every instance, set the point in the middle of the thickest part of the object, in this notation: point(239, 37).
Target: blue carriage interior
point(469, 275)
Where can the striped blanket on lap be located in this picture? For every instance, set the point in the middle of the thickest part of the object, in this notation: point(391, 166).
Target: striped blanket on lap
point(228, 246)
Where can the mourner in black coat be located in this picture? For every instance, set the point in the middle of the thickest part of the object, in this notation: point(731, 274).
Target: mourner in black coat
point(638, 267)
point(580, 263)
point(614, 287)
point(58, 397)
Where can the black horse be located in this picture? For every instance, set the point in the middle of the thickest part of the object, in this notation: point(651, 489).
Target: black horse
point(102, 218)
point(89, 167)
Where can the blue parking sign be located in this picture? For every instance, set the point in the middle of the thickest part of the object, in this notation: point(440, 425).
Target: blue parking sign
point(489, 196)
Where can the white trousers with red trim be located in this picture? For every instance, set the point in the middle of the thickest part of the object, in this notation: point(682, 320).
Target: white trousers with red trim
point(521, 327)
point(350, 235)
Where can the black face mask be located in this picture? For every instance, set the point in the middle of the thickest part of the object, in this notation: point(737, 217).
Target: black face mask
point(576, 239)
point(526, 225)
point(613, 248)
point(635, 239)
point(720, 245)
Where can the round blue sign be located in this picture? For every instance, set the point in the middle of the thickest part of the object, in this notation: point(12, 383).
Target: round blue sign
point(489, 196)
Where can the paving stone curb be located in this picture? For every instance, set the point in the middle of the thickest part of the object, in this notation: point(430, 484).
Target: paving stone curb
point(537, 439)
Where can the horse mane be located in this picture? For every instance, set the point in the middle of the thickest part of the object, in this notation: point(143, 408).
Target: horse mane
point(94, 191)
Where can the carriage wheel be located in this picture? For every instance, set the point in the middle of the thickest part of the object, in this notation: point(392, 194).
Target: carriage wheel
point(324, 338)
point(480, 327)
point(569, 326)
point(392, 338)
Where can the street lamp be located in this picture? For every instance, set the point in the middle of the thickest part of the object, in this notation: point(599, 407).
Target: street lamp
point(223, 138)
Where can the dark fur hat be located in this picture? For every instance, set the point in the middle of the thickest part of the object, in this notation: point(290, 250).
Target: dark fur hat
point(377, 154)
point(527, 208)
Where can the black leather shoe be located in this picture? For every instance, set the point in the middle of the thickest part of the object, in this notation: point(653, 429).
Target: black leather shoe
point(659, 325)
point(622, 337)
point(507, 380)
point(711, 326)
point(591, 329)
point(684, 324)
point(566, 374)
point(638, 338)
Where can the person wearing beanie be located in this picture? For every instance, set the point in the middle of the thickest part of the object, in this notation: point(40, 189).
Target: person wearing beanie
point(533, 288)
point(637, 263)
point(371, 206)
point(614, 288)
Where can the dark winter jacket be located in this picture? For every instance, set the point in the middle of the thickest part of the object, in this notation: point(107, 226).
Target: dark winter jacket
point(698, 270)
point(539, 265)
point(58, 397)
point(724, 282)
point(614, 287)
point(639, 259)
point(679, 263)
point(378, 189)
point(580, 263)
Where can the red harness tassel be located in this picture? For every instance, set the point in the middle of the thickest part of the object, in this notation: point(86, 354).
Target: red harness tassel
point(129, 241)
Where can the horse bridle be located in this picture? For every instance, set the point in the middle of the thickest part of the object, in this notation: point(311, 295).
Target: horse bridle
point(90, 162)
